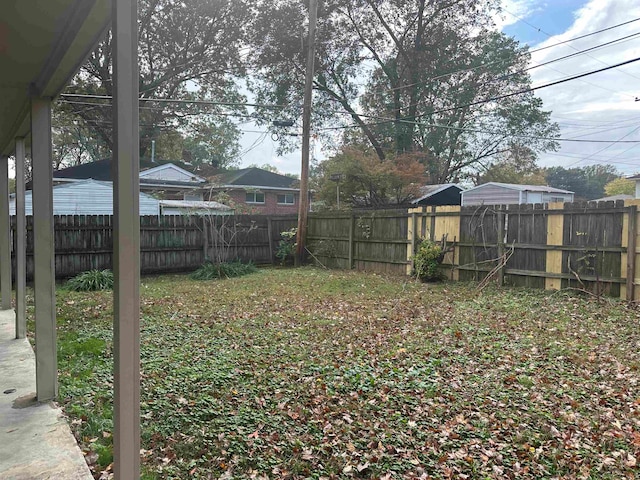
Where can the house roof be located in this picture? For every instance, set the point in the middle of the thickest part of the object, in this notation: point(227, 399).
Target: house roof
point(522, 188)
point(430, 190)
point(102, 170)
point(170, 166)
point(613, 198)
point(634, 177)
point(254, 177)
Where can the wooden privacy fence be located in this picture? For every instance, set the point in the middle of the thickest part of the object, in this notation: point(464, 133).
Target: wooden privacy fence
point(374, 241)
point(167, 243)
point(582, 245)
point(589, 246)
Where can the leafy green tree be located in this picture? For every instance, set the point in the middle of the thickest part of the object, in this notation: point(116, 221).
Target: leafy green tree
point(516, 165)
point(586, 182)
point(363, 180)
point(406, 76)
point(73, 141)
point(620, 186)
point(189, 50)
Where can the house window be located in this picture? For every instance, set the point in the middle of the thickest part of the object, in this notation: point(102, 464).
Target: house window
point(254, 197)
point(557, 199)
point(285, 199)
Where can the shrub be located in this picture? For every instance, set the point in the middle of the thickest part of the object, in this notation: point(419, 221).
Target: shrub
point(211, 271)
point(287, 246)
point(426, 261)
point(91, 281)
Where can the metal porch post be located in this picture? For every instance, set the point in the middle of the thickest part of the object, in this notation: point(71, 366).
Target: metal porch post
point(43, 250)
point(126, 248)
point(21, 243)
point(5, 236)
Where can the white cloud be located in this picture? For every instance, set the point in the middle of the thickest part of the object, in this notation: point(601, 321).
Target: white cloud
point(514, 10)
point(600, 100)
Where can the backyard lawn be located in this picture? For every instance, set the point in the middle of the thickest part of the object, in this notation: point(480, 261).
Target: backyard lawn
point(310, 373)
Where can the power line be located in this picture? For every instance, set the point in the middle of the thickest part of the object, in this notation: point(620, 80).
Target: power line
point(528, 52)
point(576, 38)
point(544, 64)
point(470, 130)
point(575, 77)
point(178, 101)
point(557, 82)
point(575, 54)
point(217, 114)
point(570, 46)
point(607, 147)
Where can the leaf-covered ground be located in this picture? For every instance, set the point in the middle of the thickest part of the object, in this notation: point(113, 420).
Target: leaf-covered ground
point(322, 374)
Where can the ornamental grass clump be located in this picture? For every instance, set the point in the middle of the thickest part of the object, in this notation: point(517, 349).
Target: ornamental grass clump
point(91, 280)
point(427, 260)
point(212, 271)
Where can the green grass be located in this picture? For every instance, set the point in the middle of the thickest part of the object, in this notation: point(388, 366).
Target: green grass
point(309, 373)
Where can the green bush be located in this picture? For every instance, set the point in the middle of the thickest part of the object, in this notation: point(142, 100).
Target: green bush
point(211, 271)
point(427, 260)
point(91, 281)
point(287, 246)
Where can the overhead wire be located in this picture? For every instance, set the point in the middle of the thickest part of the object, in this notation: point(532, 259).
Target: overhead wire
point(177, 101)
point(570, 46)
point(575, 77)
point(524, 70)
point(528, 52)
point(606, 148)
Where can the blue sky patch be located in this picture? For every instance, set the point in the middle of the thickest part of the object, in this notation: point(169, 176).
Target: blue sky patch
point(553, 17)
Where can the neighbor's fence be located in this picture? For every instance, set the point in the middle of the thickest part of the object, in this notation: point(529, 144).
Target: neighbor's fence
point(374, 241)
point(588, 246)
point(542, 246)
point(167, 243)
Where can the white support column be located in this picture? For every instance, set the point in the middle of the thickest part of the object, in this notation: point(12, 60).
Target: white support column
point(21, 243)
point(5, 236)
point(43, 250)
point(126, 248)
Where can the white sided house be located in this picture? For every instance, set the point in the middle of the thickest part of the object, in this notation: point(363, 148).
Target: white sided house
point(85, 197)
point(494, 193)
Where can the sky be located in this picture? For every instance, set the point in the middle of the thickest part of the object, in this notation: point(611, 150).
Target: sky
point(599, 107)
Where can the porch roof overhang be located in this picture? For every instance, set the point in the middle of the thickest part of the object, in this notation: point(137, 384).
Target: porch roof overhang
point(43, 43)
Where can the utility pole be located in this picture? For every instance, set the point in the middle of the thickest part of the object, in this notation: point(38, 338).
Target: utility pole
point(303, 208)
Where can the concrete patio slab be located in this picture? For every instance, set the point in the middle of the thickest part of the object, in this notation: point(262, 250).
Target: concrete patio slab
point(36, 442)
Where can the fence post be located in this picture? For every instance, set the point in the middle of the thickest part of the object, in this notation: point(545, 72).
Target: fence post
point(412, 224)
point(352, 228)
point(555, 233)
point(270, 235)
point(500, 243)
point(632, 227)
point(432, 226)
point(205, 238)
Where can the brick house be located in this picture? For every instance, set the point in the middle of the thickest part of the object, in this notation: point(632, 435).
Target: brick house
point(257, 191)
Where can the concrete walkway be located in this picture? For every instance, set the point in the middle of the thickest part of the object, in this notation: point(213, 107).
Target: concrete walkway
point(35, 440)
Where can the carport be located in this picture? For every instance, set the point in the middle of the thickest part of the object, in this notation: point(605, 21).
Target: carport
point(42, 45)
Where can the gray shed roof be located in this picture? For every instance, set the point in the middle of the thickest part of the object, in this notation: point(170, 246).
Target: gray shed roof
point(613, 198)
point(522, 188)
point(427, 191)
